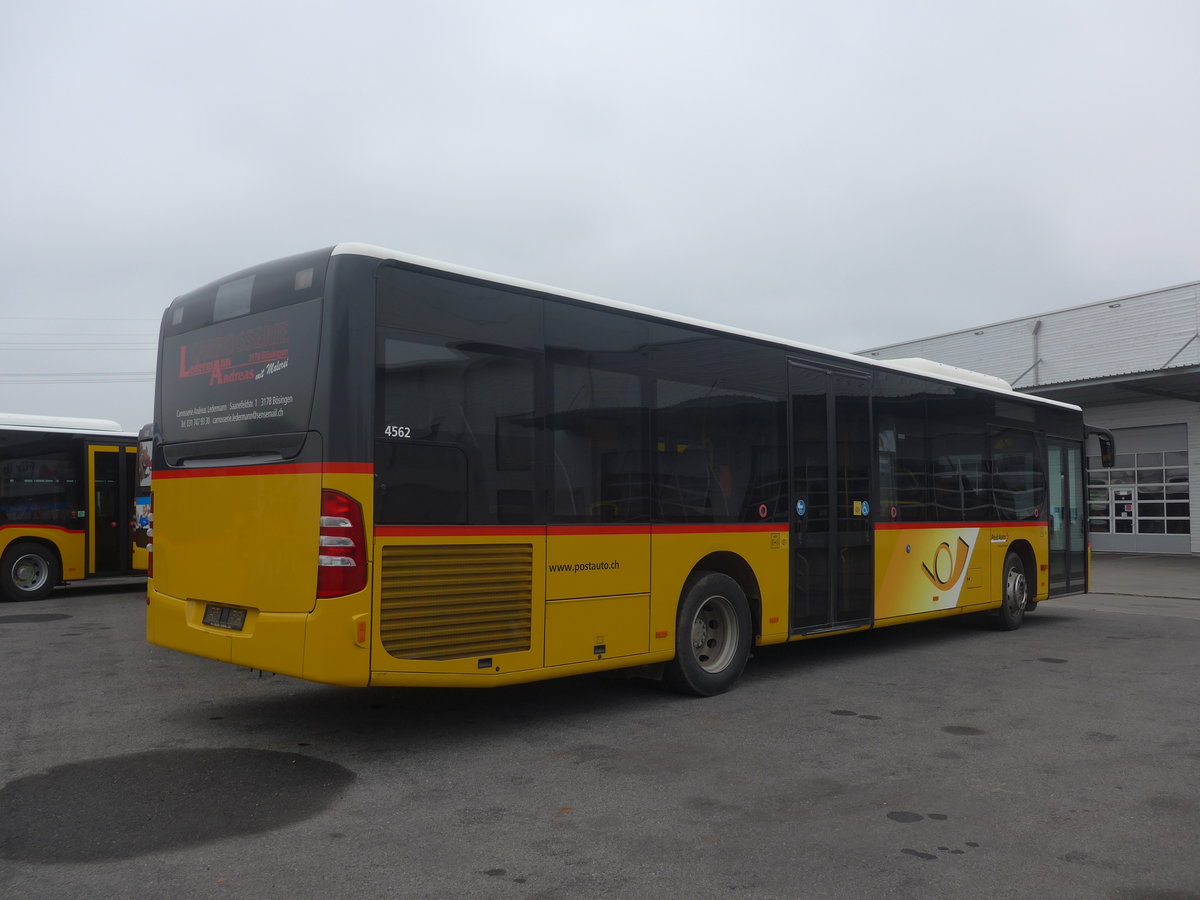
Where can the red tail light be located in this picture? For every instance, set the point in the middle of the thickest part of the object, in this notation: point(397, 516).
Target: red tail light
point(342, 557)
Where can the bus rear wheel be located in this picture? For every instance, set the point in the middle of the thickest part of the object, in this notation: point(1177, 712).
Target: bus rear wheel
point(712, 636)
point(28, 571)
point(1014, 587)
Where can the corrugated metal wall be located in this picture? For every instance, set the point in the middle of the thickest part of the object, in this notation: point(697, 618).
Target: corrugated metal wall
point(1145, 332)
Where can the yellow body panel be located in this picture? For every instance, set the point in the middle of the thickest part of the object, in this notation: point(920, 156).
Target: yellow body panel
point(598, 563)
point(317, 646)
point(677, 552)
point(591, 601)
point(175, 623)
point(502, 679)
point(595, 628)
point(69, 544)
point(924, 572)
point(586, 599)
point(240, 539)
point(570, 615)
point(265, 529)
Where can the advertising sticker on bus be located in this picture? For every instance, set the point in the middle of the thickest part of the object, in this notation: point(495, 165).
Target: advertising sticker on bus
point(243, 375)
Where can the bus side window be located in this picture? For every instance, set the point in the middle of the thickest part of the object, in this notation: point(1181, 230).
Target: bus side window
point(39, 482)
point(455, 432)
point(719, 429)
point(902, 474)
point(420, 484)
point(598, 420)
point(958, 449)
point(902, 445)
point(1017, 476)
point(597, 424)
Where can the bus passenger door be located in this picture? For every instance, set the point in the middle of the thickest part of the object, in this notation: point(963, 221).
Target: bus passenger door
point(831, 534)
point(1068, 541)
point(110, 509)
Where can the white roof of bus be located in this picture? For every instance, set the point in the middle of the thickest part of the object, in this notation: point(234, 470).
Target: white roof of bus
point(23, 422)
point(927, 367)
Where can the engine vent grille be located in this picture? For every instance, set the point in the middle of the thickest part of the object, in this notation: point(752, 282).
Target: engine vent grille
point(451, 602)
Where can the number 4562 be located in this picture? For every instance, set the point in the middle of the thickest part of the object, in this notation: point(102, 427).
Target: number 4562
point(397, 431)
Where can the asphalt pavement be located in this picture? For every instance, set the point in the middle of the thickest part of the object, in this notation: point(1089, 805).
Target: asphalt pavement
point(934, 760)
point(1146, 575)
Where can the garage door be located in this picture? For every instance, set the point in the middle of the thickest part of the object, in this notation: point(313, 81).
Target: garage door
point(1141, 505)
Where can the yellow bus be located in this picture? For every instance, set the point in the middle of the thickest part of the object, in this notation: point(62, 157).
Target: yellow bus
point(74, 503)
point(376, 469)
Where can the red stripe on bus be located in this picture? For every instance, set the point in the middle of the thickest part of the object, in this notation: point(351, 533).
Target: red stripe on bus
point(564, 530)
point(269, 469)
point(906, 526)
point(34, 527)
point(721, 529)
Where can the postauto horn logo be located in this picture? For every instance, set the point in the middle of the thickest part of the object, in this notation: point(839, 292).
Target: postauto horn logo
point(947, 566)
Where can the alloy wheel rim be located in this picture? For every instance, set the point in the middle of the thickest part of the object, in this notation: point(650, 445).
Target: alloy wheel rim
point(1017, 590)
point(29, 572)
point(714, 634)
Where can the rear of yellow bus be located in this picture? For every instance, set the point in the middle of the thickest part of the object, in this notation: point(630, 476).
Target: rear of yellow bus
point(262, 489)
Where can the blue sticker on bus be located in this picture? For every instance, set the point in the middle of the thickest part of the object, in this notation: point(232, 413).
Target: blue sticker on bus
point(801, 507)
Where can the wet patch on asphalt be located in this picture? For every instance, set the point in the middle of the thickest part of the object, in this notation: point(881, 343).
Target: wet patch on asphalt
point(126, 806)
point(850, 712)
point(907, 818)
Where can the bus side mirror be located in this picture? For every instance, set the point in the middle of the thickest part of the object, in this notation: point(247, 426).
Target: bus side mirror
point(1107, 444)
point(1106, 452)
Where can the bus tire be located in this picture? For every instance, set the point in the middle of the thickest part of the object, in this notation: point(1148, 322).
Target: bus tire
point(712, 636)
point(28, 571)
point(1014, 593)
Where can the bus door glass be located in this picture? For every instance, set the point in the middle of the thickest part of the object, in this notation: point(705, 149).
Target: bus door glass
point(1068, 542)
point(110, 509)
point(137, 500)
point(831, 530)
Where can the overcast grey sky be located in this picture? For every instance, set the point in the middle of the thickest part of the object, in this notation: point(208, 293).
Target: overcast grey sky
point(843, 174)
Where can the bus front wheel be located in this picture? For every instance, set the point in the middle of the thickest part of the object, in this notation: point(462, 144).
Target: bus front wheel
point(1014, 587)
point(28, 571)
point(712, 636)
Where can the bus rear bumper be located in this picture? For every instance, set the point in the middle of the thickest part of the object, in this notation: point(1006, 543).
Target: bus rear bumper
point(270, 641)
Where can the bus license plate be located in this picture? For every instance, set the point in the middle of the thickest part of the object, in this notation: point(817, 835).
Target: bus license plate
point(224, 617)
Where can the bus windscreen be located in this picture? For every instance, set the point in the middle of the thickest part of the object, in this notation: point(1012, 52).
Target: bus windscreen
point(245, 376)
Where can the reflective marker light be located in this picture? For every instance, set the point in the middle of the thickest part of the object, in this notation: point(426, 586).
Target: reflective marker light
point(150, 545)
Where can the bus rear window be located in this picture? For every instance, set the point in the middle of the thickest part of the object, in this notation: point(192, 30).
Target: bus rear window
point(245, 376)
point(233, 299)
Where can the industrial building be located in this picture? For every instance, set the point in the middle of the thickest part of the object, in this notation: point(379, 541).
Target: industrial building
point(1133, 364)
